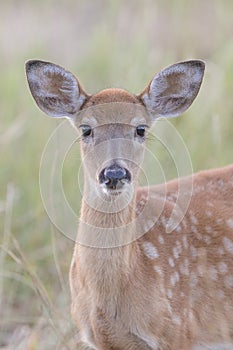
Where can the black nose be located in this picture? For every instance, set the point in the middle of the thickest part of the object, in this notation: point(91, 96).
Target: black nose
point(114, 176)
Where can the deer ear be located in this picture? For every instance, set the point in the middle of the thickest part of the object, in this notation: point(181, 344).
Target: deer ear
point(174, 89)
point(55, 90)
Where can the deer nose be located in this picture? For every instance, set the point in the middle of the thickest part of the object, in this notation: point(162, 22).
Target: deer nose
point(114, 176)
point(114, 173)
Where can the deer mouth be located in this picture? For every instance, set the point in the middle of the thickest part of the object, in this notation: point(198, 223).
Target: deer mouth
point(114, 178)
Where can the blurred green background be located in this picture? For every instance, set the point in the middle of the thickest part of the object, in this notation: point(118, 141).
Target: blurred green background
point(105, 43)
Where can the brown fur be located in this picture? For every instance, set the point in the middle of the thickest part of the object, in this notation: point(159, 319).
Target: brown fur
point(117, 292)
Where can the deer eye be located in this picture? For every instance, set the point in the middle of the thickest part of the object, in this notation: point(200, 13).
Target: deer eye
point(141, 130)
point(86, 130)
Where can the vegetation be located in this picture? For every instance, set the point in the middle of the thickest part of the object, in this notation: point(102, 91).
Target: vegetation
point(106, 43)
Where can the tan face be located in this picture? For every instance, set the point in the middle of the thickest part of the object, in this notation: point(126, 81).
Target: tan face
point(113, 139)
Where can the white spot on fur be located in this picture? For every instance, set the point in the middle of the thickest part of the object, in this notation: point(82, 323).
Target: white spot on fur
point(161, 239)
point(209, 213)
point(185, 312)
point(191, 316)
point(142, 201)
point(208, 229)
point(171, 262)
point(193, 251)
point(137, 210)
point(174, 278)
point(169, 293)
point(193, 280)
point(195, 230)
point(184, 268)
point(220, 251)
point(164, 221)
point(222, 267)
point(177, 250)
point(150, 250)
point(175, 253)
point(228, 244)
point(229, 223)
point(162, 289)
point(148, 225)
point(158, 270)
point(177, 276)
point(184, 223)
point(220, 294)
point(169, 308)
point(152, 343)
point(207, 239)
point(193, 219)
point(176, 320)
point(185, 242)
point(171, 225)
point(213, 273)
point(228, 281)
point(200, 270)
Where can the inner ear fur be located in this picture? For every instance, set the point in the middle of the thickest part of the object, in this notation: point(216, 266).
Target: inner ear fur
point(172, 91)
point(56, 91)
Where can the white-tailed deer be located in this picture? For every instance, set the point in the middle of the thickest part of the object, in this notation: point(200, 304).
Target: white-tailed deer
point(134, 283)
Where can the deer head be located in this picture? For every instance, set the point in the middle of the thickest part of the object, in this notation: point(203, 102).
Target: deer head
point(113, 123)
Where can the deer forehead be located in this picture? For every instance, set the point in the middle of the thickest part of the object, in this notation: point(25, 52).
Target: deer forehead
point(112, 95)
point(113, 106)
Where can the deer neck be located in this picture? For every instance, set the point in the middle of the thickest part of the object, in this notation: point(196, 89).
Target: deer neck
point(108, 249)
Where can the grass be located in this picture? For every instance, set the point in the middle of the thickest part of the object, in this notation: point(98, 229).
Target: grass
point(106, 43)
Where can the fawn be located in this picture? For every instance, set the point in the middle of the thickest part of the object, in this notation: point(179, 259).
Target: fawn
point(134, 283)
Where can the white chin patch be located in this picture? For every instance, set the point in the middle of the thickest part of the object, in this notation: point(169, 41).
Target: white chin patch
point(109, 191)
